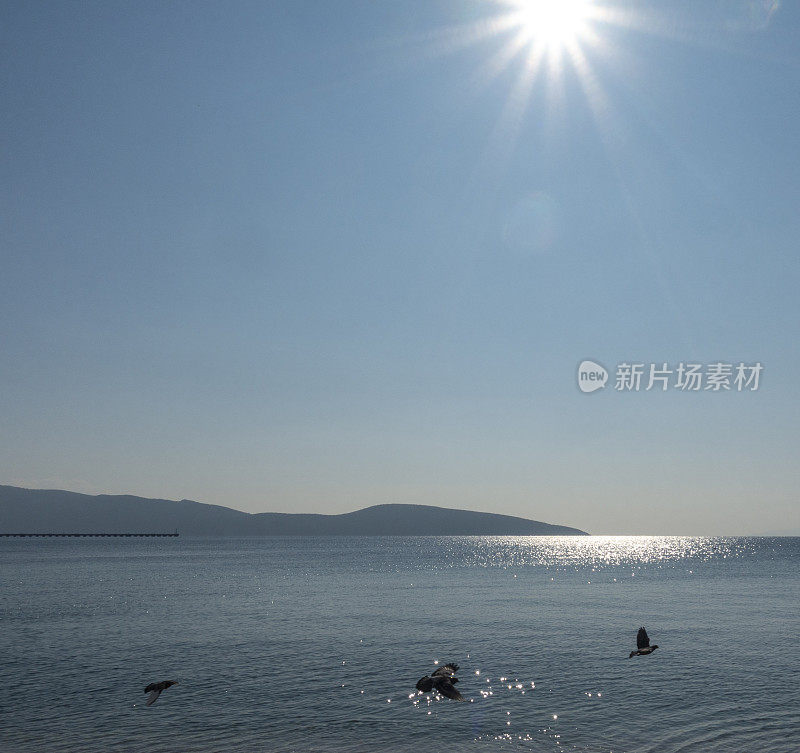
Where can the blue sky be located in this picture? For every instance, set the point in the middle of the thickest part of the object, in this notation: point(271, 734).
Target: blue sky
point(310, 256)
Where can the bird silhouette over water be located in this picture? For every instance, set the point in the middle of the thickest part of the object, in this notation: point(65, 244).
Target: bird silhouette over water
point(643, 647)
point(442, 680)
point(155, 689)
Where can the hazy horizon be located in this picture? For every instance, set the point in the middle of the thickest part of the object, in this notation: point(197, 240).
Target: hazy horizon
point(311, 257)
point(531, 516)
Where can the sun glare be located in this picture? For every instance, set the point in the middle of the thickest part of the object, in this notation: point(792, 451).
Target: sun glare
point(553, 23)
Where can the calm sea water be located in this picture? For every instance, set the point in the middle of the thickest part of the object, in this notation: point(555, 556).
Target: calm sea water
point(315, 644)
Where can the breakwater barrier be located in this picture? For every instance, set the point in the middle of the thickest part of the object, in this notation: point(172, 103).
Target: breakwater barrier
point(91, 535)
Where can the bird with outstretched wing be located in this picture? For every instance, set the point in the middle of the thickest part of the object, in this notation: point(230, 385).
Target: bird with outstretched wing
point(643, 647)
point(155, 689)
point(442, 680)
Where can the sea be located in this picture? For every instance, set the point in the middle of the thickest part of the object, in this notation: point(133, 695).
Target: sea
point(315, 644)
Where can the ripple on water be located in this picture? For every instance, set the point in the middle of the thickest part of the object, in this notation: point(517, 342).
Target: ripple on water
point(297, 645)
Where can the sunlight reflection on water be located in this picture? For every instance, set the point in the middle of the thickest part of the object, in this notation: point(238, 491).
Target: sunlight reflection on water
point(583, 551)
point(316, 644)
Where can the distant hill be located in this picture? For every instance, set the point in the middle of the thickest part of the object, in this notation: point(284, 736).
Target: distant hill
point(57, 511)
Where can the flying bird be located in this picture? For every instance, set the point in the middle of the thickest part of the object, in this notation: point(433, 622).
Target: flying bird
point(442, 680)
point(155, 689)
point(643, 647)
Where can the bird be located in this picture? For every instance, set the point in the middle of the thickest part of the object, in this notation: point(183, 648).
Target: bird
point(643, 647)
point(442, 680)
point(155, 689)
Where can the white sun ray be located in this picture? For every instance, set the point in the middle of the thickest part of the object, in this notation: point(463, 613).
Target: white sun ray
point(548, 35)
point(553, 23)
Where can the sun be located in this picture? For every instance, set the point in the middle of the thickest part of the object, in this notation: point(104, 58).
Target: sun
point(553, 24)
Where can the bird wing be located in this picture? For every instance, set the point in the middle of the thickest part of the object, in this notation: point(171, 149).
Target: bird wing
point(642, 639)
point(425, 684)
point(153, 697)
point(445, 687)
point(448, 670)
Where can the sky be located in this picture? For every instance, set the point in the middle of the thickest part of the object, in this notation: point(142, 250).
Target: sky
point(313, 256)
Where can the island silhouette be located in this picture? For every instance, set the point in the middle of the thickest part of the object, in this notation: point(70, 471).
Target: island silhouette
point(58, 511)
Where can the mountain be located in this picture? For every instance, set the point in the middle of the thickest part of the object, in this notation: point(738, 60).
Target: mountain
point(57, 511)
